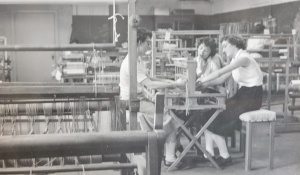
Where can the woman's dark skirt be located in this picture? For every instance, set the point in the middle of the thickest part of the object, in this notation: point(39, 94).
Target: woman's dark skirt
point(246, 99)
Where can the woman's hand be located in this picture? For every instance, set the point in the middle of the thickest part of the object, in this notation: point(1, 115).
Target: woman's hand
point(178, 83)
point(200, 85)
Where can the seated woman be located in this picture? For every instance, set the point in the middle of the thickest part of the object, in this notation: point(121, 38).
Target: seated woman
point(208, 61)
point(146, 106)
point(247, 74)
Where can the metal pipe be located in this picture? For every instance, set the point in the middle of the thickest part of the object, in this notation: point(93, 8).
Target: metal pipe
point(74, 144)
point(60, 1)
point(67, 47)
point(68, 168)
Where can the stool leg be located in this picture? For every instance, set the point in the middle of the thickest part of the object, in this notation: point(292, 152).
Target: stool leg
point(271, 149)
point(233, 140)
point(243, 139)
point(248, 146)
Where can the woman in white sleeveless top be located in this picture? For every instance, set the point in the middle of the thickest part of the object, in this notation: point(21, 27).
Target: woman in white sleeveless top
point(247, 74)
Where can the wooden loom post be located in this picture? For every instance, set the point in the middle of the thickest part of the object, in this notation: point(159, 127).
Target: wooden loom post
point(132, 56)
point(191, 68)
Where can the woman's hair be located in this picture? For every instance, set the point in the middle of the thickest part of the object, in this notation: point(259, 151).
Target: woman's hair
point(211, 43)
point(235, 40)
point(142, 34)
point(259, 28)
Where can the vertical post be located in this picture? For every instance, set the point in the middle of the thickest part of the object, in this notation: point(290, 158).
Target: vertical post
point(132, 56)
point(271, 146)
point(191, 70)
point(295, 41)
point(248, 146)
point(158, 125)
point(287, 81)
point(270, 77)
point(153, 54)
point(159, 111)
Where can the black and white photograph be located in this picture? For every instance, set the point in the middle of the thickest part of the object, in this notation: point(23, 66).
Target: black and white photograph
point(149, 87)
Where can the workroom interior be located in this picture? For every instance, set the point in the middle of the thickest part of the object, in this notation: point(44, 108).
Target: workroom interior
point(150, 87)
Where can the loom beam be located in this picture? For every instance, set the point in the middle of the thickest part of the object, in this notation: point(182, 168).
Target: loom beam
point(14, 90)
point(68, 168)
point(75, 144)
point(92, 159)
point(93, 106)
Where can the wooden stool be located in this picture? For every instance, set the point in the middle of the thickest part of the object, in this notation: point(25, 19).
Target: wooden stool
point(258, 116)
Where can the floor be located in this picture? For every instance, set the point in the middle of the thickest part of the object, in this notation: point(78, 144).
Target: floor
point(286, 152)
point(286, 162)
point(286, 158)
point(286, 155)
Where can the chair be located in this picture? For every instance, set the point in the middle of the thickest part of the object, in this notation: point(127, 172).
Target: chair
point(258, 116)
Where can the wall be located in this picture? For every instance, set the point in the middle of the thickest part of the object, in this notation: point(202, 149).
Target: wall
point(284, 13)
point(146, 7)
point(63, 31)
point(225, 6)
point(64, 19)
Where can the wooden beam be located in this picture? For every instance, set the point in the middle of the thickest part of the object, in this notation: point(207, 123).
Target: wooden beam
point(67, 168)
point(74, 144)
point(132, 56)
point(60, 1)
point(66, 47)
point(53, 91)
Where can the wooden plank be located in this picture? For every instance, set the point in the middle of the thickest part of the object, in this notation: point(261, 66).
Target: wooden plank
point(132, 56)
point(67, 168)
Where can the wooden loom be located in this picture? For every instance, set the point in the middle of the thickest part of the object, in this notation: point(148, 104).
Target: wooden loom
point(186, 70)
point(55, 131)
point(48, 150)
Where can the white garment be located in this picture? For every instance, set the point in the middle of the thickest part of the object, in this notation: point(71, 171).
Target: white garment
point(124, 78)
point(247, 76)
point(210, 65)
point(256, 43)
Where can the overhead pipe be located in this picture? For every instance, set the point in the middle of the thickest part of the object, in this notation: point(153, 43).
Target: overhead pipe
point(66, 47)
point(61, 1)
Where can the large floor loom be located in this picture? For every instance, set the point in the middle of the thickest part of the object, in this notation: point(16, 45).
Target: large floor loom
point(49, 127)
